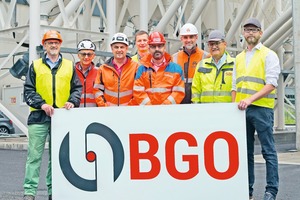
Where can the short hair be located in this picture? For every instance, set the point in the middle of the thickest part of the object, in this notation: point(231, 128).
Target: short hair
point(140, 32)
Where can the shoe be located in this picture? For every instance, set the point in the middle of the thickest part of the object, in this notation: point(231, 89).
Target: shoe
point(268, 196)
point(50, 197)
point(28, 197)
point(251, 198)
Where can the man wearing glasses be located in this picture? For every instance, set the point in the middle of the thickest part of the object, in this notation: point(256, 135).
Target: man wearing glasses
point(114, 81)
point(86, 71)
point(212, 81)
point(51, 82)
point(254, 80)
point(158, 80)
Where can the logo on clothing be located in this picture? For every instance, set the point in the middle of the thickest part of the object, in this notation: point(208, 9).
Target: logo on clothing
point(118, 157)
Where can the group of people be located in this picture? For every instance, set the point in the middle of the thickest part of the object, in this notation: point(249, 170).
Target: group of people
point(154, 77)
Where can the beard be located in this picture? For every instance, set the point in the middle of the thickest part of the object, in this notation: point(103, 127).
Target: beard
point(157, 55)
point(189, 46)
point(53, 52)
point(252, 40)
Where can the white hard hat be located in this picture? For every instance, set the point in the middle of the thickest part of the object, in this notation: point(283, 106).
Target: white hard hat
point(119, 38)
point(188, 29)
point(86, 44)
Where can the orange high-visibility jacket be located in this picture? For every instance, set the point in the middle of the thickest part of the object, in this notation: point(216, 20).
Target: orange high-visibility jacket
point(87, 96)
point(164, 86)
point(112, 89)
point(188, 63)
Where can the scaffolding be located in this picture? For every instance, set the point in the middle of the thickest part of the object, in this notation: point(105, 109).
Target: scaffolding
point(22, 24)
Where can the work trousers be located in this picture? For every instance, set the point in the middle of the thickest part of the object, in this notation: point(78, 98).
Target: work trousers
point(260, 119)
point(37, 136)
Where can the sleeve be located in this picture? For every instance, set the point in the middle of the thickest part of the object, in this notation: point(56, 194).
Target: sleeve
point(178, 91)
point(98, 89)
point(139, 92)
point(196, 85)
point(233, 88)
point(272, 68)
point(76, 89)
point(32, 98)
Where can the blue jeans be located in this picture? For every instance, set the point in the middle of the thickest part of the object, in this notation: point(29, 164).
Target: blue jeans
point(37, 135)
point(261, 120)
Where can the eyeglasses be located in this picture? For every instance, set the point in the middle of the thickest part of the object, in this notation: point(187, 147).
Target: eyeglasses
point(215, 43)
point(86, 54)
point(158, 45)
point(253, 30)
point(53, 43)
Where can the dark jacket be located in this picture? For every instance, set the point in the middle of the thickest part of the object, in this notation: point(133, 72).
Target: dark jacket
point(35, 100)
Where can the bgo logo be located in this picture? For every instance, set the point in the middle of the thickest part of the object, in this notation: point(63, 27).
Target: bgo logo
point(118, 157)
point(136, 156)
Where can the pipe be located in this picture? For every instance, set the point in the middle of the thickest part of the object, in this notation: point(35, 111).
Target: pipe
point(66, 12)
point(197, 11)
point(276, 24)
point(161, 26)
point(144, 15)
point(281, 30)
point(238, 20)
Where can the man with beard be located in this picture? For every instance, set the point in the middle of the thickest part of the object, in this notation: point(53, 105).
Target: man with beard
point(114, 81)
point(189, 57)
point(51, 82)
point(255, 80)
point(158, 80)
point(212, 82)
point(141, 42)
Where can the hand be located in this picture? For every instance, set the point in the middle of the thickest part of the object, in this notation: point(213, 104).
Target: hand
point(68, 105)
point(244, 104)
point(49, 110)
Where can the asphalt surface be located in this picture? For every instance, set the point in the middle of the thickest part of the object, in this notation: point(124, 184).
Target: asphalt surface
point(12, 166)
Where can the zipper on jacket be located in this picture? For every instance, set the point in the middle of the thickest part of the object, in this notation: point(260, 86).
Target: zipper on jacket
point(150, 76)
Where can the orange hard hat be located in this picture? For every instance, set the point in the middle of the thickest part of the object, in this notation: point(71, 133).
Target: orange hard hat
point(52, 34)
point(156, 38)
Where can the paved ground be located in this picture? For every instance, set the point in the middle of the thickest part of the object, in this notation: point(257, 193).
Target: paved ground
point(13, 156)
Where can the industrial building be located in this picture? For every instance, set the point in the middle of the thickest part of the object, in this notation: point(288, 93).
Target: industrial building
point(23, 22)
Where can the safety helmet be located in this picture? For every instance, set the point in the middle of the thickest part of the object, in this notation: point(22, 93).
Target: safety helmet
point(119, 38)
point(188, 29)
point(86, 44)
point(156, 38)
point(52, 34)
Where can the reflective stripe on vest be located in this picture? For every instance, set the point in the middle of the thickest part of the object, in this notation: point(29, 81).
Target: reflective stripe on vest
point(45, 81)
point(251, 80)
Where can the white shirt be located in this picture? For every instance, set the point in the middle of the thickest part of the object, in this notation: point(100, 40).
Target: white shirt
point(272, 67)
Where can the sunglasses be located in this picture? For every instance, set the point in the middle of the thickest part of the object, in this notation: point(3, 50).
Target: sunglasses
point(86, 54)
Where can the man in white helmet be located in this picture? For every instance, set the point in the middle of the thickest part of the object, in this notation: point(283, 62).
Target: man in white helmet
point(86, 71)
point(114, 81)
point(189, 57)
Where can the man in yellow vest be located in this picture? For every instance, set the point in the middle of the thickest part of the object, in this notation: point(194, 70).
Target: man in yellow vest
point(255, 80)
point(51, 82)
point(212, 81)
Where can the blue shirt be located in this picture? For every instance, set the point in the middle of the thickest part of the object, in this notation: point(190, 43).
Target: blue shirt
point(52, 64)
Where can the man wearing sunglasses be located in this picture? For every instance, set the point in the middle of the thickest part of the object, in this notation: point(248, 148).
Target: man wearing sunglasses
point(255, 80)
point(158, 80)
point(212, 81)
point(86, 71)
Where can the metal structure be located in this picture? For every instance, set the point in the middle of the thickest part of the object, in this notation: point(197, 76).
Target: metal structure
point(23, 22)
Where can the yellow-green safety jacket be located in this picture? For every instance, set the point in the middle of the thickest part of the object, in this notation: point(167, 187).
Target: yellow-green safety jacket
point(253, 78)
point(211, 85)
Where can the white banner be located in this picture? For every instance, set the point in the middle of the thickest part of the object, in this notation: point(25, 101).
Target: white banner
point(188, 152)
